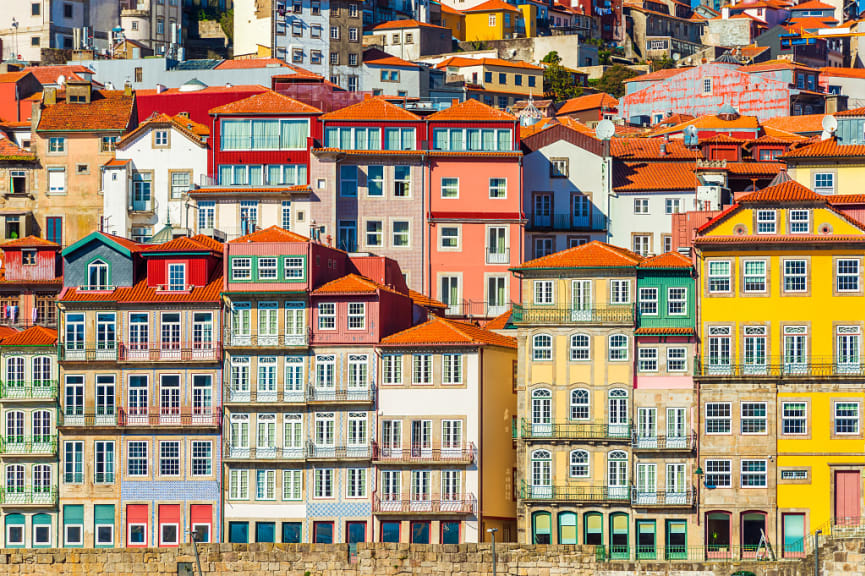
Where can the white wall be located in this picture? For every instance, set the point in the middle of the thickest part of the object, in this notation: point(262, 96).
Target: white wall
point(249, 30)
point(624, 223)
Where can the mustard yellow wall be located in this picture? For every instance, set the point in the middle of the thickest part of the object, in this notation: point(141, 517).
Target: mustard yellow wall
point(477, 25)
point(530, 18)
point(456, 23)
point(848, 179)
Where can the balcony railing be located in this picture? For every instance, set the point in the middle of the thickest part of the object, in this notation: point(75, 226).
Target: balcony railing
point(425, 504)
point(663, 499)
point(74, 353)
point(620, 315)
point(316, 451)
point(39, 497)
point(264, 452)
point(319, 394)
point(280, 339)
point(594, 222)
point(28, 445)
point(569, 430)
point(477, 309)
point(575, 493)
point(662, 320)
point(144, 352)
point(498, 255)
point(662, 443)
point(780, 367)
point(243, 396)
point(72, 417)
point(463, 454)
point(35, 390)
point(170, 417)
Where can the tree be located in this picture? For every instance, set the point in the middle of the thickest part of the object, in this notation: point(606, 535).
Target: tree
point(613, 80)
point(557, 79)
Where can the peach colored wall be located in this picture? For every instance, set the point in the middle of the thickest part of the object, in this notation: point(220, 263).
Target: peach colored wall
point(474, 175)
point(665, 382)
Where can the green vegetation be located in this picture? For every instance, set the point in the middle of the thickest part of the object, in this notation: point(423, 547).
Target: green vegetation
point(557, 79)
point(613, 80)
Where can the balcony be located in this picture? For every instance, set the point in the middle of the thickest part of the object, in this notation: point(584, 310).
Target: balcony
point(316, 394)
point(171, 352)
point(498, 255)
point(664, 321)
point(556, 430)
point(74, 353)
point(539, 222)
point(576, 493)
point(622, 315)
point(316, 451)
point(235, 395)
point(28, 445)
point(170, 417)
point(664, 499)
point(661, 443)
point(477, 309)
point(780, 367)
point(425, 455)
point(37, 390)
point(263, 452)
point(71, 417)
point(425, 504)
point(234, 340)
point(39, 497)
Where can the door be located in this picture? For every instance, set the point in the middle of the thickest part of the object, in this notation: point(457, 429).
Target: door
point(265, 531)
point(138, 401)
point(543, 210)
point(676, 492)
point(450, 293)
point(348, 235)
point(617, 475)
point(618, 414)
point(647, 429)
point(355, 532)
point(676, 435)
point(794, 535)
point(582, 209)
point(497, 248)
point(647, 484)
point(421, 438)
point(847, 497)
point(542, 413)
point(54, 229)
point(496, 303)
point(581, 300)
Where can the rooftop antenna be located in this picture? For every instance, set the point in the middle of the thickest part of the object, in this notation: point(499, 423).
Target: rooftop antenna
point(829, 125)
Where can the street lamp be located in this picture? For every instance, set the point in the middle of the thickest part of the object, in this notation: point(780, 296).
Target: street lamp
point(492, 532)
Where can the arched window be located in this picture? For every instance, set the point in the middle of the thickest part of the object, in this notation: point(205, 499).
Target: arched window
point(15, 372)
point(14, 427)
point(618, 347)
point(42, 372)
point(41, 426)
point(579, 347)
point(15, 525)
point(579, 464)
point(579, 404)
point(97, 275)
point(619, 535)
point(542, 347)
point(541, 473)
point(617, 474)
point(542, 412)
point(617, 414)
point(541, 527)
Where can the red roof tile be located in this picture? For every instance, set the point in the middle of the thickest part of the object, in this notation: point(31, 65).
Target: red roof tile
point(776, 136)
point(592, 255)
point(673, 119)
point(754, 168)
point(462, 61)
point(33, 336)
point(11, 151)
point(398, 24)
point(657, 75)
point(141, 292)
point(249, 63)
point(853, 112)
point(843, 73)
point(425, 301)
point(107, 110)
point(661, 331)
point(650, 149)
point(723, 139)
point(829, 148)
point(500, 322)
point(813, 5)
point(117, 162)
point(775, 65)
point(182, 244)
point(470, 110)
point(372, 109)
point(668, 260)
point(191, 129)
point(639, 176)
point(789, 191)
point(6, 331)
point(269, 102)
point(49, 74)
point(439, 331)
point(376, 57)
point(796, 124)
point(846, 199)
point(214, 244)
point(29, 242)
point(781, 239)
point(272, 234)
point(125, 242)
point(600, 100)
point(491, 5)
point(10, 77)
point(352, 284)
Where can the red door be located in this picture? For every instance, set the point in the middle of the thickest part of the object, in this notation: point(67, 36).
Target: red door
point(847, 497)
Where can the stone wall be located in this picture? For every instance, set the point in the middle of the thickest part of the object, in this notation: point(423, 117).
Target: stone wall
point(394, 560)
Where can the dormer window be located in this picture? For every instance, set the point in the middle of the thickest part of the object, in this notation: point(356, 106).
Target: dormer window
point(160, 138)
point(356, 315)
point(176, 276)
point(28, 257)
point(765, 221)
point(97, 275)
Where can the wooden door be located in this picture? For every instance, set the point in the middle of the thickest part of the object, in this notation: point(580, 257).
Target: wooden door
point(847, 496)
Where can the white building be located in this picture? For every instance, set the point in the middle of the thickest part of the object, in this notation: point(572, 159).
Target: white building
point(145, 187)
point(233, 211)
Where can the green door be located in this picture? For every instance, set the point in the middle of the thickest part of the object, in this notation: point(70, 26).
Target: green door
point(567, 528)
point(646, 542)
point(619, 536)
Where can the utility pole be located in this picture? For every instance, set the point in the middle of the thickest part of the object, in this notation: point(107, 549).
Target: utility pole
point(492, 532)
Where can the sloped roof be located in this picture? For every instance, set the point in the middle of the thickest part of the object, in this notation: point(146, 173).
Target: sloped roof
point(667, 260)
point(500, 322)
point(723, 139)
point(658, 75)
point(33, 336)
point(843, 73)
point(425, 301)
point(789, 191)
point(49, 74)
point(470, 110)
point(660, 176)
point(776, 65)
point(376, 57)
point(272, 234)
point(11, 77)
point(591, 255)
point(492, 5)
point(600, 100)
point(189, 128)
point(269, 102)
point(107, 110)
point(439, 331)
point(852, 112)
point(829, 148)
point(9, 150)
point(650, 149)
point(808, 123)
point(29, 242)
point(812, 5)
point(462, 61)
point(372, 109)
point(399, 24)
point(122, 244)
point(353, 284)
point(141, 292)
point(250, 63)
point(182, 244)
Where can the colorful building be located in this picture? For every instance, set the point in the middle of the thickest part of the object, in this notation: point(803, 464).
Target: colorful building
point(491, 20)
point(31, 281)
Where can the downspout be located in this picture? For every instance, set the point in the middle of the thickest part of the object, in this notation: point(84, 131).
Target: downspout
point(376, 407)
point(480, 449)
point(522, 224)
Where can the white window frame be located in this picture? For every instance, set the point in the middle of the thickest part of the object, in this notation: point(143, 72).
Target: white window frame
point(765, 224)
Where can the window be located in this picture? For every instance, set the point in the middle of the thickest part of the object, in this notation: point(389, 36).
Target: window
point(292, 484)
point(352, 61)
point(753, 474)
point(267, 269)
point(718, 418)
point(579, 404)
point(676, 360)
point(755, 276)
point(56, 180)
point(160, 138)
point(799, 222)
point(402, 181)
point(104, 463)
point(618, 347)
point(56, 145)
point(824, 183)
point(558, 167)
point(648, 359)
point(326, 316)
point(180, 183)
point(400, 234)
point(241, 268)
point(73, 462)
point(265, 484)
point(498, 187)
point(846, 417)
point(719, 276)
point(348, 181)
point(753, 417)
point(356, 483)
point(719, 473)
point(353, 10)
point(323, 485)
point(641, 205)
point(35, 9)
point(422, 369)
point(847, 275)
point(177, 276)
point(579, 464)
point(543, 292)
point(766, 222)
point(169, 458)
point(374, 233)
point(136, 458)
point(707, 85)
point(400, 139)
point(452, 369)
point(795, 276)
point(356, 316)
point(238, 485)
point(450, 237)
point(579, 347)
point(648, 301)
point(794, 418)
point(375, 181)
point(620, 291)
point(492, 20)
point(293, 267)
point(672, 205)
point(206, 215)
point(542, 347)
point(392, 368)
point(677, 301)
point(109, 143)
point(202, 456)
point(450, 187)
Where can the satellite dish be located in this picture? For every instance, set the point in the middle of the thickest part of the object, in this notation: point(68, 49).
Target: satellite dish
point(829, 123)
point(605, 130)
point(61, 80)
point(691, 136)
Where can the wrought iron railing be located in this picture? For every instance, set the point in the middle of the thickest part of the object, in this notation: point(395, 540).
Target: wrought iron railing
point(575, 493)
point(210, 417)
point(420, 504)
point(235, 339)
point(234, 394)
point(663, 443)
point(779, 367)
point(37, 497)
point(29, 390)
point(417, 454)
point(325, 395)
point(619, 315)
point(28, 445)
point(663, 498)
point(575, 430)
point(69, 417)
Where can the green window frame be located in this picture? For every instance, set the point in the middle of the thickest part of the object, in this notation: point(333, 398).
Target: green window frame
point(619, 536)
point(593, 528)
point(676, 546)
point(38, 520)
point(542, 528)
point(568, 528)
point(647, 542)
point(14, 520)
point(73, 519)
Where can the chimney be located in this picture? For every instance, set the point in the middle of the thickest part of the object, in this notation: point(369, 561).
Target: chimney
point(663, 149)
point(49, 96)
point(127, 88)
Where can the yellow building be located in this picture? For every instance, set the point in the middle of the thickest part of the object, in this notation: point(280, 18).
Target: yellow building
point(492, 20)
point(781, 375)
point(455, 20)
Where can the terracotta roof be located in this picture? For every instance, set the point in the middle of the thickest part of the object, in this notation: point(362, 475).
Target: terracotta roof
point(141, 292)
point(33, 336)
point(668, 260)
point(425, 301)
point(353, 284)
point(248, 63)
point(191, 129)
point(397, 24)
point(214, 244)
point(500, 322)
point(723, 139)
point(789, 191)
point(29, 242)
point(750, 52)
point(233, 89)
point(448, 10)
point(272, 234)
point(659, 176)
point(781, 239)
point(440, 331)
point(576, 126)
point(9, 77)
point(107, 110)
point(713, 122)
point(600, 100)
point(754, 168)
point(491, 5)
point(462, 61)
point(183, 244)
point(810, 23)
point(674, 119)
point(372, 109)
point(796, 124)
point(843, 73)
point(591, 255)
point(11, 151)
point(663, 331)
point(376, 57)
point(829, 148)
point(470, 110)
point(775, 65)
point(49, 74)
point(813, 5)
point(773, 135)
point(852, 112)
point(846, 199)
point(125, 242)
point(269, 102)
point(650, 149)
point(115, 162)
point(657, 75)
